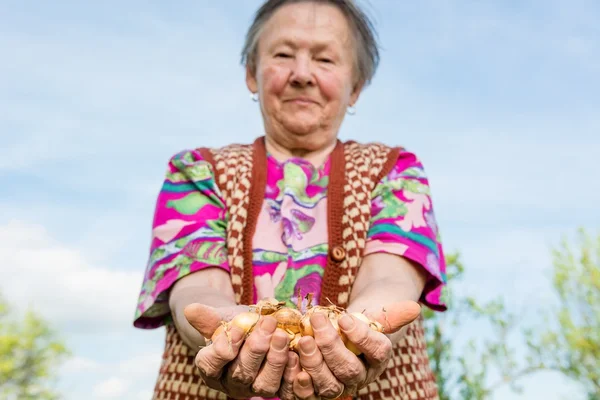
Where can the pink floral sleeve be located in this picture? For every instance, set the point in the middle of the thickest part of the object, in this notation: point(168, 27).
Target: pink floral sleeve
point(188, 234)
point(403, 223)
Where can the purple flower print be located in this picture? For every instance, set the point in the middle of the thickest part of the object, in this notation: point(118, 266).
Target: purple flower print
point(274, 212)
point(433, 265)
point(431, 222)
point(302, 222)
point(377, 205)
point(295, 227)
point(288, 230)
point(395, 173)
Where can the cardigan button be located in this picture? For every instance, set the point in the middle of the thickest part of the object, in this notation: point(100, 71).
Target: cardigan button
point(338, 254)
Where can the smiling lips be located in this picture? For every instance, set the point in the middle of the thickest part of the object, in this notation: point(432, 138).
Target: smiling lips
point(304, 101)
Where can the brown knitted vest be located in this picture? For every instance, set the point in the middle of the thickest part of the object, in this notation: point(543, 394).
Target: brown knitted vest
point(240, 172)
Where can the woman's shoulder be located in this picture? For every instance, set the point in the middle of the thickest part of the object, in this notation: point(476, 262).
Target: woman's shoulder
point(203, 156)
point(362, 146)
point(189, 166)
point(399, 153)
point(383, 159)
point(377, 147)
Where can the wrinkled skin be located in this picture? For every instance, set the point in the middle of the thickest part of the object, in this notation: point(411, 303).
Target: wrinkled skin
point(240, 368)
point(263, 365)
point(330, 369)
point(305, 78)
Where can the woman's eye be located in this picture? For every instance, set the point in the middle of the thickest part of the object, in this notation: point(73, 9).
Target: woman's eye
point(324, 60)
point(283, 55)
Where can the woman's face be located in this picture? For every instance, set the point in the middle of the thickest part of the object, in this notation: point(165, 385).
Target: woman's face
point(305, 75)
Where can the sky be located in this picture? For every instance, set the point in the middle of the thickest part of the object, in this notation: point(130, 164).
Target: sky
point(498, 99)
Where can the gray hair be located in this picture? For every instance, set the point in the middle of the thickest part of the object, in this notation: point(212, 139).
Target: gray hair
point(367, 50)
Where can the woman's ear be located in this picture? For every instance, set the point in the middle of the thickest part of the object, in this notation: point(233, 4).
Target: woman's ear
point(251, 82)
point(356, 91)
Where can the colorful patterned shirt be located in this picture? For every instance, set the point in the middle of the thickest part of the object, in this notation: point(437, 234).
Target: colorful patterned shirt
point(290, 246)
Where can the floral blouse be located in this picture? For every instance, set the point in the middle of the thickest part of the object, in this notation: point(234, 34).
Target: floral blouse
point(290, 244)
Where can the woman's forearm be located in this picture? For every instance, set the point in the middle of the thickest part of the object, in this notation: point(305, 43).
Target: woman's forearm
point(384, 279)
point(187, 296)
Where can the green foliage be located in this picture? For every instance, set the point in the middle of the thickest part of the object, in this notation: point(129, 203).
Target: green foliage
point(30, 354)
point(467, 371)
point(570, 340)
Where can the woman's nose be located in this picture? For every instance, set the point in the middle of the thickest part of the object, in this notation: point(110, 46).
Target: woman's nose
point(302, 74)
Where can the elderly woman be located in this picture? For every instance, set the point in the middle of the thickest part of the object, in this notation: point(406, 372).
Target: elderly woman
point(296, 211)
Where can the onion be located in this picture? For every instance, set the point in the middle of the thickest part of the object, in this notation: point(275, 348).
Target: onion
point(288, 319)
point(293, 322)
point(268, 305)
point(246, 321)
point(294, 342)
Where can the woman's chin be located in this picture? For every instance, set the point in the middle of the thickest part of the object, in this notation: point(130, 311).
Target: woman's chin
point(301, 127)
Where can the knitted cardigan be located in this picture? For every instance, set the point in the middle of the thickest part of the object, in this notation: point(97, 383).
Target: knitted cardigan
point(241, 172)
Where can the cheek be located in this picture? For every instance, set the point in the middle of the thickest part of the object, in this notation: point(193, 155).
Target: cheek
point(274, 80)
point(334, 88)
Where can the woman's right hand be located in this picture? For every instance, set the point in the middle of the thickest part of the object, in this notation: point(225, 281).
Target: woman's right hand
point(237, 367)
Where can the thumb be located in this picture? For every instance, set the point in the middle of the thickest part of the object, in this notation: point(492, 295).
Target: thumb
point(396, 315)
point(206, 319)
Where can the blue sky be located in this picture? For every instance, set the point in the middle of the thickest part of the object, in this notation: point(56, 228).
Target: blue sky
point(499, 99)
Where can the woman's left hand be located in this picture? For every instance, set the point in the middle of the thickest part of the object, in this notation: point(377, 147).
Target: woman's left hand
point(333, 369)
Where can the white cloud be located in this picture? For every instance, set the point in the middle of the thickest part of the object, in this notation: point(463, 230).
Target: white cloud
point(59, 282)
point(136, 375)
point(130, 378)
point(112, 388)
point(144, 395)
point(141, 365)
point(114, 87)
point(79, 364)
point(92, 306)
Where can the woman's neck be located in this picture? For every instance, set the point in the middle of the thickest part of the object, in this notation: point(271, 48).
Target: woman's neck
point(283, 152)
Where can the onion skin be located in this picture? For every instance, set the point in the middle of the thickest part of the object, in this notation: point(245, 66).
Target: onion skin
point(294, 342)
point(246, 321)
point(268, 306)
point(351, 346)
point(288, 319)
point(305, 326)
point(291, 321)
point(218, 331)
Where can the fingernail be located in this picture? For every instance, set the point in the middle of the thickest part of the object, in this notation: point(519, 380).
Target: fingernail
point(346, 322)
point(304, 382)
point(308, 346)
point(268, 325)
point(279, 342)
point(318, 321)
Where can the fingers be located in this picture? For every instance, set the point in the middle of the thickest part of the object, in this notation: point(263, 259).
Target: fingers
point(244, 369)
point(203, 318)
point(268, 381)
point(303, 387)
point(375, 346)
point(396, 315)
point(212, 359)
point(344, 364)
point(325, 383)
point(292, 369)
point(206, 319)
